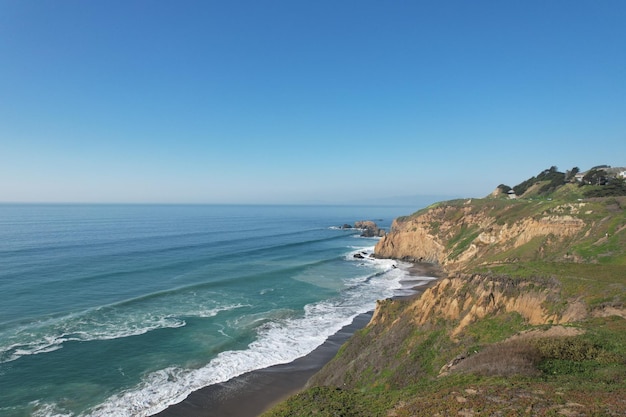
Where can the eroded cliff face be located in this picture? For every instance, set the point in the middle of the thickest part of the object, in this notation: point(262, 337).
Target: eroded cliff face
point(416, 338)
point(457, 235)
point(402, 328)
point(466, 299)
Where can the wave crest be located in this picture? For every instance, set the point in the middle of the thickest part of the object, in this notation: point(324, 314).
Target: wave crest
point(104, 323)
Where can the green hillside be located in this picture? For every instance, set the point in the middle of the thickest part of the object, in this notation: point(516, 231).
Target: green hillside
point(521, 327)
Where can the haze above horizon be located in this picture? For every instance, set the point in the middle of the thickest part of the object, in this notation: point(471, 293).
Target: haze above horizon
point(303, 102)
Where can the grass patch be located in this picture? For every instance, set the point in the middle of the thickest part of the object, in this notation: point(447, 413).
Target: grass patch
point(496, 328)
point(427, 349)
point(331, 402)
point(596, 284)
point(569, 192)
point(464, 244)
point(597, 357)
point(514, 211)
point(392, 368)
point(461, 241)
point(527, 252)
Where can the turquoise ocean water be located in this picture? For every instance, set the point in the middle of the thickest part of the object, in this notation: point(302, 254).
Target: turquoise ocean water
point(122, 310)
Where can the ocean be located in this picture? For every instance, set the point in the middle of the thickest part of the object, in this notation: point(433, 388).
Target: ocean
point(122, 310)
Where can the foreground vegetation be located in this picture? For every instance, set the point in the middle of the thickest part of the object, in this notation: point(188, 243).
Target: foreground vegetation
point(409, 362)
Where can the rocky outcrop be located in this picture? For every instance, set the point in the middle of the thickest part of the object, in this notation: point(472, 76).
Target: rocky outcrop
point(411, 244)
point(457, 234)
point(369, 228)
point(466, 299)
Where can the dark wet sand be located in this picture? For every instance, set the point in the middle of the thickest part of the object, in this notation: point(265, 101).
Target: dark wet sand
point(252, 393)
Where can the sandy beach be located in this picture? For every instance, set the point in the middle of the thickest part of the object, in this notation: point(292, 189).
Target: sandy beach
point(252, 393)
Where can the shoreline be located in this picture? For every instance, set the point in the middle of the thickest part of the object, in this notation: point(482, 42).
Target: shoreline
point(251, 394)
point(418, 270)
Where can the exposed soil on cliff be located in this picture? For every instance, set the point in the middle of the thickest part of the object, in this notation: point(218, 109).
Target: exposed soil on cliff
point(464, 234)
point(526, 318)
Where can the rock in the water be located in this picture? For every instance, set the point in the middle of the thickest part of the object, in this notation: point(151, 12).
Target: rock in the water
point(369, 228)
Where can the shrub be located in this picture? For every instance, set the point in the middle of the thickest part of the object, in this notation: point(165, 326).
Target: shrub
point(506, 359)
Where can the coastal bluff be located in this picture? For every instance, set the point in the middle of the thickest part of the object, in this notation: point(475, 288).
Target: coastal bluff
point(528, 315)
point(464, 233)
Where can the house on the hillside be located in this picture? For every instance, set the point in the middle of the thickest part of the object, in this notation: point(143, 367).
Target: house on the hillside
point(622, 174)
point(579, 176)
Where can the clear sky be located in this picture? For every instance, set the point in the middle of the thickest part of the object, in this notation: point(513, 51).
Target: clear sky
point(303, 101)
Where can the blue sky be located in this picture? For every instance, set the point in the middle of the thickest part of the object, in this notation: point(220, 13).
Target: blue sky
point(303, 101)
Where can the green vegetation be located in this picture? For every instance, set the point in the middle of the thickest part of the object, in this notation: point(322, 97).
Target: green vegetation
point(597, 285)
point(569, 192)
point(329, 401)
point(612, 187)
point(434, 227)
point(463, 239)
point(597, 182)
point(544, 374)
point(594, 358)
point(595, 176)
point(500, 363)
point(549, 179)
point(496, 328)
point(597, 234)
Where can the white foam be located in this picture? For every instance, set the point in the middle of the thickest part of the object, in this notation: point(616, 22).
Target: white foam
point(348, 229)
point(367, 253)
point(48, 410)
point(280, 340)
point(98, 324)
point(419, 278)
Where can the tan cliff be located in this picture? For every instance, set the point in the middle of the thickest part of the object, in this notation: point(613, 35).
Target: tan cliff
point(463, 235)
point(400, 328)
point(466, 299)
point(528, 313)
point(471, 239)
point(457, 234)
point(528, 289)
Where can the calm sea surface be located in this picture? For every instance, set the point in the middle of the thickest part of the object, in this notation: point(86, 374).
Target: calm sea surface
point(122, 310)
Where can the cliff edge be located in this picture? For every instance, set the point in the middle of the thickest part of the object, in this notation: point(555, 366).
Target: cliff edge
point(466, 234)
point(530, 319)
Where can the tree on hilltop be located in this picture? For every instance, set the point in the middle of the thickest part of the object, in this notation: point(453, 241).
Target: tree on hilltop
point(553, 177)
point(504, 189)
point(595, 177)
point(613, 187)
point(570, 176)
